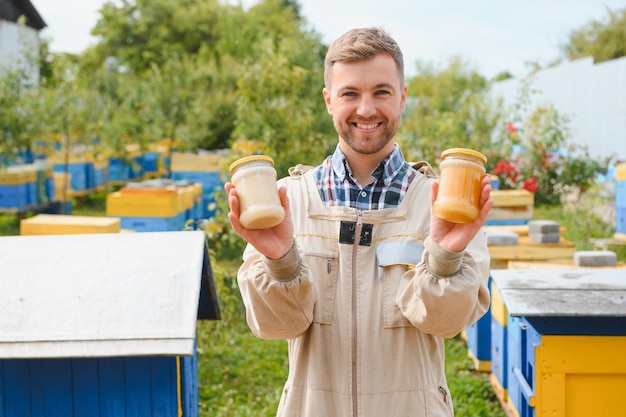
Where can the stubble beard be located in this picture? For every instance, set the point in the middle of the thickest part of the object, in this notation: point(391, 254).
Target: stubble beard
point(366, 144)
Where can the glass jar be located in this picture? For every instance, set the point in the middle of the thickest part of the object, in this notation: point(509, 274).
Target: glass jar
point(254, 177)
point(460, 174)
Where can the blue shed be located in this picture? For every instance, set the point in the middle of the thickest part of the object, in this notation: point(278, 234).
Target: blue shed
point(102, 325)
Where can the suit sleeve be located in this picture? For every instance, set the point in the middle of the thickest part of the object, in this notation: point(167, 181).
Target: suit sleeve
point(448, 291)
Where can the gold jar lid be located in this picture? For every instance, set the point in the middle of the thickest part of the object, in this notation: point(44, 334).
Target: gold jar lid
point(251, 158)
point(464, 152)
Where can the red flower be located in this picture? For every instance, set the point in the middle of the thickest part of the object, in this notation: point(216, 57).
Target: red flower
point(510, 127)
point(530, 184)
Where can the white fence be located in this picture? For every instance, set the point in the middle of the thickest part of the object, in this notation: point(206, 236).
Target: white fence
point(592, 95)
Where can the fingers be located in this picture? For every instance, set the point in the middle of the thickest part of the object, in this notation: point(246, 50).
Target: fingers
point(434, 190)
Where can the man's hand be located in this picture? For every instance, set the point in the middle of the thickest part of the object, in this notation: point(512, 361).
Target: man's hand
point(456, 236)
point(274, 242)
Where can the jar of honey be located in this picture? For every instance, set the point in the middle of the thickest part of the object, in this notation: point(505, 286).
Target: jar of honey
point(254, 178)
point(460, 174)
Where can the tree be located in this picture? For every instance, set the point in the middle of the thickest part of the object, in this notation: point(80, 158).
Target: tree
point(447, 107)
point(603, 40)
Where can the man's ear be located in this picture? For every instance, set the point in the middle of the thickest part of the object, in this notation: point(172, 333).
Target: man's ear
point(326, 94)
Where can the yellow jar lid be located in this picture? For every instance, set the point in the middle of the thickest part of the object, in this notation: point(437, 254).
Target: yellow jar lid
point(251, 158)
point(464, 152)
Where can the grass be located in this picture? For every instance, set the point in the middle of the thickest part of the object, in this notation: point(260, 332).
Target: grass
point(241, 376)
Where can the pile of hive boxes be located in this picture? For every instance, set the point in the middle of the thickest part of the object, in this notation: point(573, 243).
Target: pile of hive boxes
point(511, 207)
point(25, 187)
point(156, 205)
point(202, 168)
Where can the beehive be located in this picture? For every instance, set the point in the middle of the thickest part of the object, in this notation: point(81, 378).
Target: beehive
point(109, 331)
point(620, 172)
point(13, 189)
point(147, 207)
point(203, 169)
point(77, 168)
point(477, 338)
point(565, 340)
point(511, 207)
point(59, 224)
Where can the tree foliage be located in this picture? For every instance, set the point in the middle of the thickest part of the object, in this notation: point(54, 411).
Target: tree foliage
point(449, 107)
point(603, 40)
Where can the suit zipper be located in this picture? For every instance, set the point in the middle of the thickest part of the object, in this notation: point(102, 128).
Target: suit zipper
point(355, 250)
point(329, 260)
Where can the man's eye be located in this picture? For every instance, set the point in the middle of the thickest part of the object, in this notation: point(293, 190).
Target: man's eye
point(382, 92)
point(349, 94)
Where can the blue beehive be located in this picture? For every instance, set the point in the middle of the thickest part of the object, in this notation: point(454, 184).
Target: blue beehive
point(109, 331)
point(479, 341)
point(566, 334)
point(620, 206)
point(203, 168)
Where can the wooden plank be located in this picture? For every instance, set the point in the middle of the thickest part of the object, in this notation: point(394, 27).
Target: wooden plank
point(521, 229)
point(511, 213)
point(37, 387)
point(56, 224)
point(112, 387)
point(57, 380)
point(137, 380)
point(17, 387)
point(86, 387)
point(189, 378)
point(512, 198)
point(556, 264)
point(163, 386)
point(527, 250)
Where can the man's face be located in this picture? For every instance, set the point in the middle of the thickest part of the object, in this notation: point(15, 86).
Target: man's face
point(366, 100)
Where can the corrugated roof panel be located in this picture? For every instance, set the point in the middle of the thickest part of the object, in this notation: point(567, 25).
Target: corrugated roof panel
point(100, 294)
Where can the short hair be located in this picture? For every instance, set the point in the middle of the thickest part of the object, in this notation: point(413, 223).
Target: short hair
point(362, 44)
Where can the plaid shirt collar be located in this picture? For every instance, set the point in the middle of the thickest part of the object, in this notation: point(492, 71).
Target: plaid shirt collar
point(388, 168)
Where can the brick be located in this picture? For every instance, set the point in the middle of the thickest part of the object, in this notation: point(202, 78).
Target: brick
point(595, 258)
point(552, 237)
point(543, 226)
point(501, 237)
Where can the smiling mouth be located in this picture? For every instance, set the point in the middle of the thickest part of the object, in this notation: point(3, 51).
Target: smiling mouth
point(367, 126)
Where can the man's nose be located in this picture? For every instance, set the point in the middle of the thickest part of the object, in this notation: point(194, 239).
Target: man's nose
point(366, 106)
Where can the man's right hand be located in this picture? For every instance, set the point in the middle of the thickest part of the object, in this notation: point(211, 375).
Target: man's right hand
point(274, 242)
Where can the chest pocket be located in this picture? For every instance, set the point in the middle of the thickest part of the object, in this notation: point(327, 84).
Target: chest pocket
point(326, 266)
point(394, 259)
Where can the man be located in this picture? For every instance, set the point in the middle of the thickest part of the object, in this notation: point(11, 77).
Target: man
point(360, 278)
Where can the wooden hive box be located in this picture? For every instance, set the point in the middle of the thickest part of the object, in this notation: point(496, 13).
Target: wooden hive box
point(59, 224)
point(565, 340)
point(511, 207)
point(109, 331)
point(620, 172)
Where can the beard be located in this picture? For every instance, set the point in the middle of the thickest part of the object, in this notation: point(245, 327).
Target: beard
point(365, 143)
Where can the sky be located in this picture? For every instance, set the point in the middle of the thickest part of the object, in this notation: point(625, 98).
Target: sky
point(492, 36)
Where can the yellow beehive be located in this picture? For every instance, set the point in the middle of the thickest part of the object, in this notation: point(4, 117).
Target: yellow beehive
point(187, 194)
point(144, 202)
point(558, 264)
point(620, 172)
point(512, 205)
point(190, 162)
point(580, 376)
point(58, 224)
point(62, 185)
point(12, 176)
